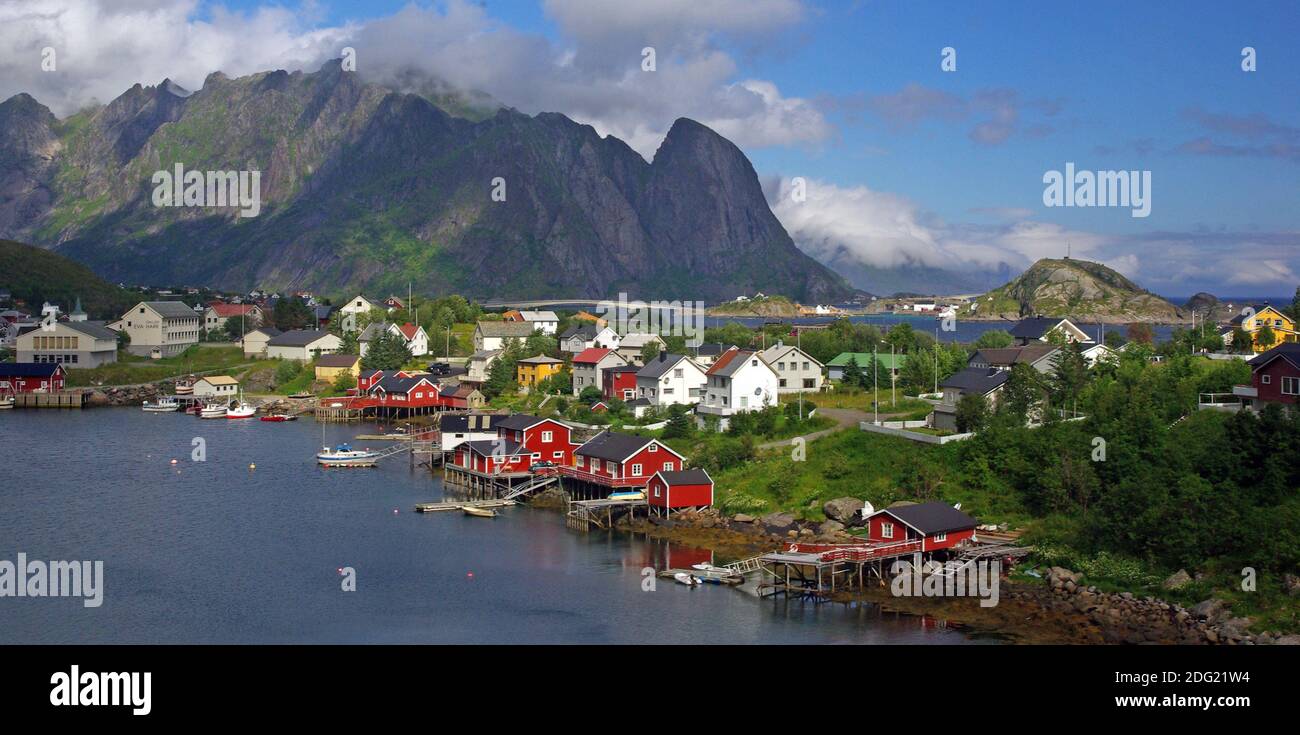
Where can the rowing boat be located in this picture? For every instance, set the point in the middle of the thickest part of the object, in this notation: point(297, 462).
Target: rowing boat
point(478, 512)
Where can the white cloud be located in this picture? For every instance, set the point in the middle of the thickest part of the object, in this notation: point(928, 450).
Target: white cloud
point(592, 74)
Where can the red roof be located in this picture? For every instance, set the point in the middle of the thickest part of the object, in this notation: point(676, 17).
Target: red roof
point(409, 330)
point(723, 360)
point(228, 310)
point(592, 355)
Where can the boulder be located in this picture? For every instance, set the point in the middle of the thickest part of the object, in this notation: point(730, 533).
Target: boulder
point(1209, 609)
point(830, 528)
point(1287, 640)
point(778, 522)
point(743, 518)
point(845, 510)
point(1177, 580)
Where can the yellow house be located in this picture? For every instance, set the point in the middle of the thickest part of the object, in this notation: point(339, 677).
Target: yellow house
point(1259, 316)
point(533, 370)
point(330, 367)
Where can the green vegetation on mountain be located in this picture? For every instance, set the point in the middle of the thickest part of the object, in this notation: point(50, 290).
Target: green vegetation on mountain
point(34, 276)
point(1080, 289)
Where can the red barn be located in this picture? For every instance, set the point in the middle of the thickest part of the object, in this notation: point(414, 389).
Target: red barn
point(1275, 375)
point(27, 377)
point(691, 488)
point(619, 382)
point(543, 439)
point(622, 460)
point(936, 525)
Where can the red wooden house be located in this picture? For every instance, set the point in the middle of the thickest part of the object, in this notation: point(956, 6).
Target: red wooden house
point(691, 488)
point(544, 439)
point(26, 377)
point(622, 460)
point(619, 382)
point(934, 526)
point(1275, 376)
point(370, 378)
point(493, 457)
point(406, 392)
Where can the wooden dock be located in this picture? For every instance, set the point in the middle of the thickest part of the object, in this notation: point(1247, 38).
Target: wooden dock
point(583, 515)
point(457, 505)
point(59, 399)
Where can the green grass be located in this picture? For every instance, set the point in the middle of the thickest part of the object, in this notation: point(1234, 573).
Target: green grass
point(131, 369)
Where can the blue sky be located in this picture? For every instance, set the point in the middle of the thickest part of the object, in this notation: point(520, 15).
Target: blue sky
point(907, 164)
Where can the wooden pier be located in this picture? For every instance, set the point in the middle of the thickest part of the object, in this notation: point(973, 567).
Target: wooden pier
point(457, 505)
point(58, 399)
point(584, 515)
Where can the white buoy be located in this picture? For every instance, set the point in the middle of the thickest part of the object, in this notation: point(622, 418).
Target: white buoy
point(252, 466)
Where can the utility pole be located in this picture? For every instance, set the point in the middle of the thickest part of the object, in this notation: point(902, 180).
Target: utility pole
point(893, 377)
point(936, 359)
point(875, 384)
point(798, 337)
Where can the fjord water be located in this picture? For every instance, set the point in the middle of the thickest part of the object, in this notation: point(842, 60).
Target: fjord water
point(215, 552)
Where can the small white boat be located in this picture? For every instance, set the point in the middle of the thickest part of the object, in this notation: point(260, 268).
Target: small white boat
point(162, 405)
point(628, 495)
point(345, 456)
point(213, 411)
point(690, 580)
point(470, 510)
point(6, 402)
point(240, 411)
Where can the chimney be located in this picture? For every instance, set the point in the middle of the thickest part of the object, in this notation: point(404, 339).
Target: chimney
point(663, 355)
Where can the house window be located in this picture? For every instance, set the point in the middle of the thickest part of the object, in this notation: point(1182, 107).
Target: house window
point(780, 366)
point(658, 491)
point(1290, 386)
point(677, 373)
point(537, 455)
point(557, 455)
point(810, 382)
point(669, 466)
point(1266, 379)
point(579, 460)
point(636, 470)
point(782, 382)
point(886, 530)
point(547, 436)
point(654, 447)
point(940, 537)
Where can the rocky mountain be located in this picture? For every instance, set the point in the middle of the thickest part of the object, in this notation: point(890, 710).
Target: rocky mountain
point(1081, 289)
point(366, 188)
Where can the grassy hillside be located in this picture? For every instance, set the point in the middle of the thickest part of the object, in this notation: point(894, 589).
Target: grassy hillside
point(34, 275)
point(1075, 288)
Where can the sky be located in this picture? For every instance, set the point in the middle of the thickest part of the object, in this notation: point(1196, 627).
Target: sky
point(902, 162)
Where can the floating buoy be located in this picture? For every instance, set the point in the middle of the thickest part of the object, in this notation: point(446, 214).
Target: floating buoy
point(175, 462)
point(394, 511)
point(469, 575)
point(252, 466)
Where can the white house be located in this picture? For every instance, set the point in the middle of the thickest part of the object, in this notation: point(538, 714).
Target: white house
point(796, 370)
point(630, 346)
point(492, 336)
point(670, 379)
point(457, 428)
point(1098, 352)
point(161, 328)
point(254, 342)
point(416, 339)
point(216, 386)
point(302, 344)
point(1041, 329)
point(738, 382)
point(546, 321)
point(359, 305)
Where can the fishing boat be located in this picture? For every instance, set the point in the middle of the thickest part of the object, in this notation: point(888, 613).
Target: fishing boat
point(212, 411)
point(628, 495)
point(162, 405)
point(344, 455)
point(690, 580)
point(711, 574)
point(279, 417)
point(6, 402)
point(470, 510)
point(240, 411)
point(184, 387)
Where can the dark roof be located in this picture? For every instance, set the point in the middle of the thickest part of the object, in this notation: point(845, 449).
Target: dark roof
point(336, 360)
point(1289, 351)
point(455, 422)
point(519, 421)
point(608, 445)
point(980, 381)
point(268, 331)
point(586, 330)
point(171, 309)
point(28, 369)
point(395, 384)
point(460, 390)
point(1012, 355)
point(297, 338)
point(1034, 327)
point(693, 476)
point(489, 447)
point(639, 402)
point(540, 360)
point(712, 348)
point(658, 366)
point(92, 329)
point(623, 369)
point(932, 518)
point(323, 311)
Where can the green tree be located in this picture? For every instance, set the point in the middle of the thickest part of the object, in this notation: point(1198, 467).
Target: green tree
point(902, 337)
point(1023, 391)
point(1265, 337)
point(291, 313)
point(1242, 342)
point(993, 339)
point(590, 395)
point(344, 382)
point(1069, 374)
point(853, 376)
point(972, 413)
point(386, 352)
point(1142, 333)
point(502, 376)
point(679, 423)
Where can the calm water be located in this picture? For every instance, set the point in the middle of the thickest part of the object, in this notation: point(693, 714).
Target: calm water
point(212, 552)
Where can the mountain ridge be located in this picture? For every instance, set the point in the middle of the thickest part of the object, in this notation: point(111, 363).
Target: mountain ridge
point(367, 188)
point(1068, 287)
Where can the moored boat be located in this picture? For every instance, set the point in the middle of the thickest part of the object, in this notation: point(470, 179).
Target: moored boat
point(627, 495)
point(162, 405)
point(345, 456)
point(470, 510)
point(6, 402)
point(240, 411)
point(279, 417)
point(212, 411)
point(690, 580)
